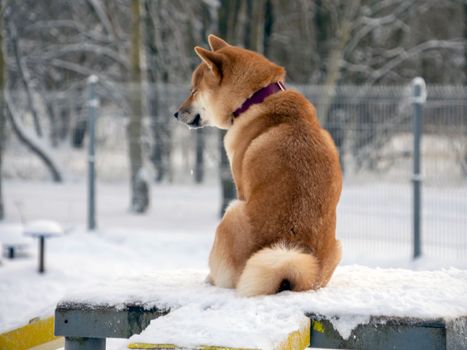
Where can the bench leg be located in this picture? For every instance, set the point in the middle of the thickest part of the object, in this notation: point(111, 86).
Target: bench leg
point(75, 343)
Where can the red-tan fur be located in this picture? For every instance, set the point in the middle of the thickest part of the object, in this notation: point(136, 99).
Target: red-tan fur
point(286, 171)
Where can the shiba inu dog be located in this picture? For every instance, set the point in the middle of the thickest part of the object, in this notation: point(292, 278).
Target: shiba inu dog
point(280, 232)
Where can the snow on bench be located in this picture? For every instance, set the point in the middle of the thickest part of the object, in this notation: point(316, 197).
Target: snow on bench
point(360, 308)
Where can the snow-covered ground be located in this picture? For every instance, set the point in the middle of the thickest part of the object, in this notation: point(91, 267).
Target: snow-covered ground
point(178, 231)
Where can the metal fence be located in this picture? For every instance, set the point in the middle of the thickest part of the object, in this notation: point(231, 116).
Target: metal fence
point(373, 129)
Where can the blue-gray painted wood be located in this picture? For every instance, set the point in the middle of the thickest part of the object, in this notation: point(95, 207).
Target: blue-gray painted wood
point(394, 333)
point(80, 323)
point(83, 320)
point(84, 344)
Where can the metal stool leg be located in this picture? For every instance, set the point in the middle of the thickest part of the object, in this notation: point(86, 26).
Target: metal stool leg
point(76, 343)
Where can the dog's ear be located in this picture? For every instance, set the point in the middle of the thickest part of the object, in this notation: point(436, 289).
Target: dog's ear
point(216, 43)
point(212, 59)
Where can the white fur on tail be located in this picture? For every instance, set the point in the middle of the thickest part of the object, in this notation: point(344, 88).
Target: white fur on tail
point(268, 268)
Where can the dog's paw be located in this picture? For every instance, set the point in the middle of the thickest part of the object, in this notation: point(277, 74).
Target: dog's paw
point(209, 280)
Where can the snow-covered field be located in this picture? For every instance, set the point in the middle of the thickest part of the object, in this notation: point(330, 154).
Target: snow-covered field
point(179, 229)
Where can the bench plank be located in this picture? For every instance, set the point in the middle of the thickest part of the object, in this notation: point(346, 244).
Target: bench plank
point(392, 333)
point(76, 320)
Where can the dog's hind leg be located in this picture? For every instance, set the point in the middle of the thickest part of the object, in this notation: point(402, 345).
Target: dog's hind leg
point(232, 246)
point(330, 262)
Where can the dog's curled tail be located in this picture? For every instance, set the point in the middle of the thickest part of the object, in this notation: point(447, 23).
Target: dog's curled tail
point(277, 268)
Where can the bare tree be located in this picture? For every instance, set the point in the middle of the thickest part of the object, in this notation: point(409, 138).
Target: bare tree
point(330, 42)
point(229, 13)
point(35, 145)
point(256, 37)
point(32, 142)
point(2, 106)
point(157, 73)
point(24, 75)
point(209, 24)
point(138, 182)
point(366, 43)
point(464, 162)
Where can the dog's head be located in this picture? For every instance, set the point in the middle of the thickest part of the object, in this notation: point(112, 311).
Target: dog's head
point(227, 76)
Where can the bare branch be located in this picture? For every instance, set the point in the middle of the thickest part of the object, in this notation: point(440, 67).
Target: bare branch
point(32, 143)
point(24, 75)
point(70, 24)
point(368, 24)
point(103, 18)
point(54, 51)
point(116, 94)
point(414, 51)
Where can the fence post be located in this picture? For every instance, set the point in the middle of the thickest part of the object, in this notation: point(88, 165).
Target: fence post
point(92, 112)
point(418, 99)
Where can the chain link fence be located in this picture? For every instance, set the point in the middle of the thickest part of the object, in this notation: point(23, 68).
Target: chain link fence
point(373, 130)
point(371, 126)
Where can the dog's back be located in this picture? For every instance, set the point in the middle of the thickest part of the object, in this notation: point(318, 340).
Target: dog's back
point(287, 171)
point(280, 233)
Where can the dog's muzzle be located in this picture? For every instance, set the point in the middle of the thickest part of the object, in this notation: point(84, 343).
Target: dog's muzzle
point(192, 122)
point(196, 122)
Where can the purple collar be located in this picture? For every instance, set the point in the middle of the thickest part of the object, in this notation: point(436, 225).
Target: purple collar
point(259, 96)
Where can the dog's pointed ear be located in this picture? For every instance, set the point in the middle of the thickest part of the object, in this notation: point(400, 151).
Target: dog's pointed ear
point(216, 43)
point(212, 59)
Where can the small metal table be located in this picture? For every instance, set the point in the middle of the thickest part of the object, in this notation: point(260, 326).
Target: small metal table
point(43, 229)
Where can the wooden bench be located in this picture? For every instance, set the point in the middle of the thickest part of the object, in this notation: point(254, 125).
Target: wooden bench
point(89, 317)
point(85, 327)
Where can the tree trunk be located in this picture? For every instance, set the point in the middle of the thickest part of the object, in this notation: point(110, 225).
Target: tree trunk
point(464, 163)
point(229, 192)
point(53, 122)
point(2, 107)
point(268, 22)
point(64, 116)
point(79, 129)
point(24, 76)
point(199, 159)
point(465, 42)
point(335, 58)
point(257, 26)
point(228, 12)
point(160, 130)
point(138, 182)
point(209, 25)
